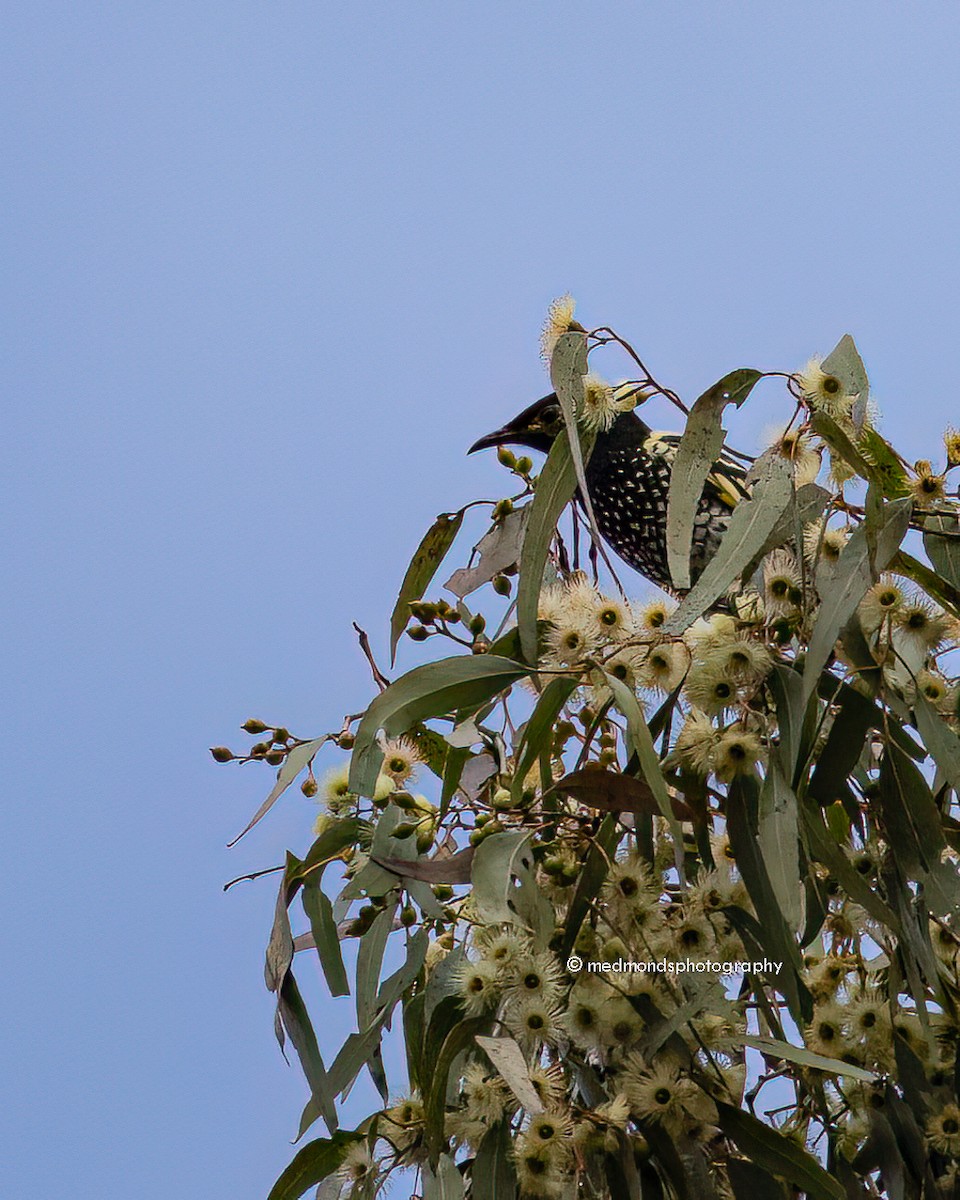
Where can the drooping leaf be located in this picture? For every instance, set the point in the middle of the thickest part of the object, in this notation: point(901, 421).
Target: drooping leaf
point(320, 914)
point(457, 1040)
point(297, 760)
point(538, 732)
point(508, 1058)
point(853, 579)
point(750, 525)
point(941, 540)
point(568, 366)
point(499, 548)
point(612, 792)
point(435, 689)
point(296, 1021)
point(640, 743)
point(423, 566)
point(369, 961)
point(446, 1183)
point(596, 867)
point(279, 954)
point(312, 1165)
point(939, 739)
point(556, 486)
point(699, 449)
point(493, 1175)
point(768, 1148)
point(778, 838)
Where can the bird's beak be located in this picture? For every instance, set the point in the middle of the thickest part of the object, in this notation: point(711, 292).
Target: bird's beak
point(499, 437)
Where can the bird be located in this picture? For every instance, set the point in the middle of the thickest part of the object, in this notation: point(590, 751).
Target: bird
point(628, 479)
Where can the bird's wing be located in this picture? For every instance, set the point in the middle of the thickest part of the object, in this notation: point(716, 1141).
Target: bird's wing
point(727, 478)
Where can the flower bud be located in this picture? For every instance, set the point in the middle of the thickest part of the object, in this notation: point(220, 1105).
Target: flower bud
point(501, 585)
point(222, 754)
point(506, 456)
point(274, 757)
point(443, 891)
point(281, 735)
point(502, 508)
point(408, 916)
point(417, 633)
point(404, 830)
point(478, 624)
point(259, 750)
point(254, 726)
point(345, 741)
point(309, 787)
point(524, 465)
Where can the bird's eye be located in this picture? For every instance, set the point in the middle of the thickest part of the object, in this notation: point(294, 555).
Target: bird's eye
point(550, 415)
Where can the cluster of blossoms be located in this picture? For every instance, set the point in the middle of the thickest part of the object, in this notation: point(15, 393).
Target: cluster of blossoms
point(565, 1023)
point(621, 1063)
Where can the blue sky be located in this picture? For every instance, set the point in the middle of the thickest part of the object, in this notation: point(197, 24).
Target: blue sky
point(267, 271)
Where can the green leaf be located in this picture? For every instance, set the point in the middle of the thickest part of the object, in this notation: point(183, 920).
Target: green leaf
point(610, 791)
point(807, 1058)
point(538, 731)
point(853, 579)
point(939, 739)
point(502, 858)
point(914, 831)
point(423, 566)
point(943, 552)
point(454, 868)
point(492, 1175)
point(508, 1059)
point(499, 548)
point(436, 689)
point(369, 961)
point(596, 866)
point(279, 953)
point(696, 455)
point(296, 1021)
point(297, 760)
point(750, 1182)
point(343, 832)
point(751, 524)
point(319, 911)
point(445, 1184)
point(768, 1148)
point(845, 363)
point(640, 743)
point(939, 589)
point(313, 1164)
point(556, 486)
point(778, 838)
point(823, 847)
point(459, 1038)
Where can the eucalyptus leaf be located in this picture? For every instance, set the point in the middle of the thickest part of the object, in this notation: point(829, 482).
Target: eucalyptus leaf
point(507, 1057)
point(854, 577)
point(778, 838)
point(699, 449)
point(434, 690)
point(313, 1164)
point(751, 524)
point(807, 1058)
point(423, 566)
point(556, 486)
point(297, 760)
point(499, 549)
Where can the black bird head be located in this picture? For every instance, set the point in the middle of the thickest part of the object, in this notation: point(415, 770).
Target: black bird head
point(535, 427)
